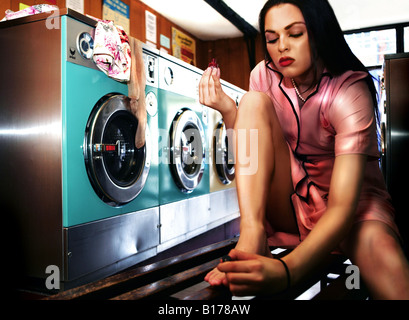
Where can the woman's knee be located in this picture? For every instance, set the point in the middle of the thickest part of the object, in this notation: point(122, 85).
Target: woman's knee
point(376, 250)
point(372, 241)
point(257, 103)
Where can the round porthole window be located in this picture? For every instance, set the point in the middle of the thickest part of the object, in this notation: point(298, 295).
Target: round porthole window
point(116, 168)
point(187, 150)
point(223, 154)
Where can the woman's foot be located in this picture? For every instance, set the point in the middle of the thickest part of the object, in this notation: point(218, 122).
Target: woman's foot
point(252, 240)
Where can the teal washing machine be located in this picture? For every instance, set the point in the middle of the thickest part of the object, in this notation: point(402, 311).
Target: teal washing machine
point(183, 153)
point(123, 179)
point(94, 205)
point(113, 208)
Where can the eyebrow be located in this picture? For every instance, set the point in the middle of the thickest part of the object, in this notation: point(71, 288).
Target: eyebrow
point(287, 27)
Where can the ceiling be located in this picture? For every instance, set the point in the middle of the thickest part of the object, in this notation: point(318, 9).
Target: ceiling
point(205, 23)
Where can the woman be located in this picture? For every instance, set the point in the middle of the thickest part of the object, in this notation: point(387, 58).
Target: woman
point(318, 186)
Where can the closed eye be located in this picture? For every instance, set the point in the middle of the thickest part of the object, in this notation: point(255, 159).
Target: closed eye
point(272, 41)
point(297, 35)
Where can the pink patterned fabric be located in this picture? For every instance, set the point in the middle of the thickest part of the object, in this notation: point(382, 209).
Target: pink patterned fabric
point(38, 8)
point(336, 119)
point(112, 53)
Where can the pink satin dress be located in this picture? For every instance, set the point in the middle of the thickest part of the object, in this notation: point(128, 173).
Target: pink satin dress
point(336, 119)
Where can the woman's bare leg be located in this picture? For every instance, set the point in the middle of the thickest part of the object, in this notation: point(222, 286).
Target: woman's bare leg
point(264, 196)
point(264, 193)
point(375, 249)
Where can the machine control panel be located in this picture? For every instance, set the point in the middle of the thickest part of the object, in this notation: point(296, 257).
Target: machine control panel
point(80, 43)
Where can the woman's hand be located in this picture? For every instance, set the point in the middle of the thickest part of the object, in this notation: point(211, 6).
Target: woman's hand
point(212, 95)
point(210, 90)
point(251, 274)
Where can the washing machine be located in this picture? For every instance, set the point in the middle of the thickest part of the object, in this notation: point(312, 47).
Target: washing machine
point(222, 184)
point(83, 197)
point(183, 153)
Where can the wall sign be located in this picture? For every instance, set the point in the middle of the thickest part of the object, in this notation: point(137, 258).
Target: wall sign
point(183, 47)
point(118, 12)
point(150, 26)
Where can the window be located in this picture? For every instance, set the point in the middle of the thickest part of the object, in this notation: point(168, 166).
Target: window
point(370, 47)
point(406, 39)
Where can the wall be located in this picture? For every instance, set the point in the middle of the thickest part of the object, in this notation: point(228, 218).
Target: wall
point(231, 54)
point(232, 57)
point(91, 7)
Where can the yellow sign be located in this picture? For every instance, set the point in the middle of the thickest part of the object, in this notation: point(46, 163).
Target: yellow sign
point(183, 47)
point(22, 6)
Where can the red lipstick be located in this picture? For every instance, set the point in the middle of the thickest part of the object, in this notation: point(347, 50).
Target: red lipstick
point(285, 61)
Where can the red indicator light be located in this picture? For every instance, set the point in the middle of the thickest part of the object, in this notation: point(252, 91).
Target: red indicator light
point(110, 148)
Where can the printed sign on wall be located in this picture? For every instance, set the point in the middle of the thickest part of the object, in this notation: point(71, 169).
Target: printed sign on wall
point(118, 12)
point(183, 47)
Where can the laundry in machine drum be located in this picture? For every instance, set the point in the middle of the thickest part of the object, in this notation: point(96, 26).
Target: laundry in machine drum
point(116, 168)
point(187, 150)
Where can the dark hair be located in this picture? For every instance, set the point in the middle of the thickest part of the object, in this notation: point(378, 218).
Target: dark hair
point(327, 40)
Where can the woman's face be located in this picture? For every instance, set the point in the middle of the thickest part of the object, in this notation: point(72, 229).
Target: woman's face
point(287, 41)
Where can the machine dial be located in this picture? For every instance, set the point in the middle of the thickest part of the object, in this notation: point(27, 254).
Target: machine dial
point(151, 104)
point(168, 76)
point(85, 45)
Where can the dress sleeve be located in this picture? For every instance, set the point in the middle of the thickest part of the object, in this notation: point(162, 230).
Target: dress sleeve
point(352, 117)
point(260, 79)
point(255, 79)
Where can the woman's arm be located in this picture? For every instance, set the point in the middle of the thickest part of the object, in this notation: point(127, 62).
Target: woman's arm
point(212, 95)
point(332, 228)
point(255, 274)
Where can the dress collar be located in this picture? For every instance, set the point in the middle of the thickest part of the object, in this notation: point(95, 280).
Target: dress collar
point(288, 85)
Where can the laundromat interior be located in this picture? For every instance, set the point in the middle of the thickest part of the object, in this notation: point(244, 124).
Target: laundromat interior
point(89, 215)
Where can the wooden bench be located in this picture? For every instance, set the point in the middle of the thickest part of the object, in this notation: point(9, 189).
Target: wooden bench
point(181, 278)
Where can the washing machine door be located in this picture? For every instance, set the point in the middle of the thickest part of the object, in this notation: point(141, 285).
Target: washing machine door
point(223, 154)
point(187, 150)
point(116, 168)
